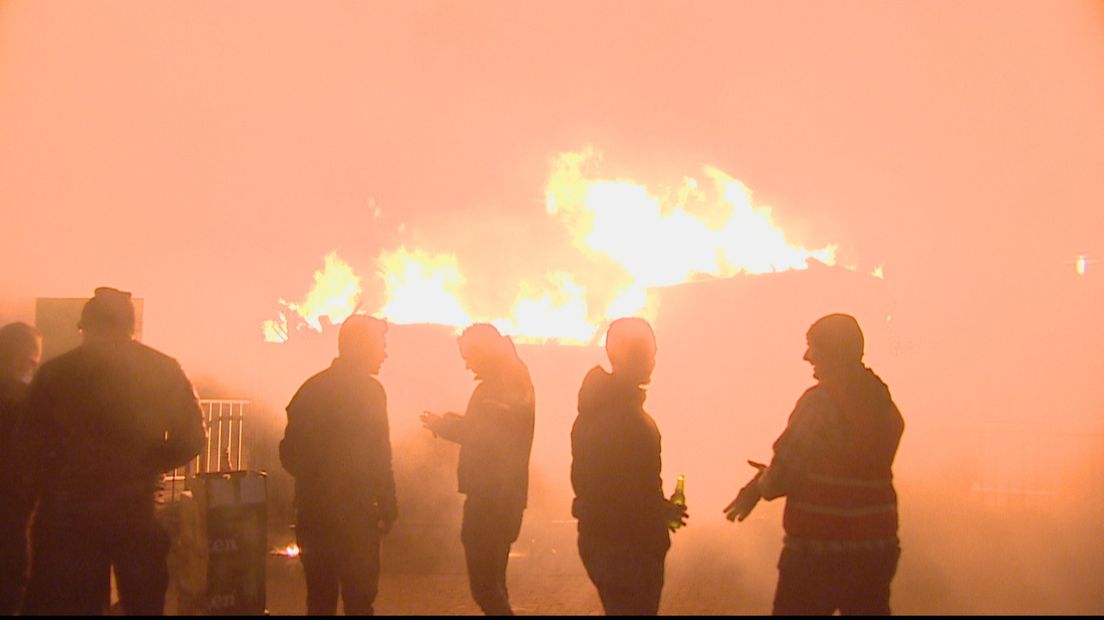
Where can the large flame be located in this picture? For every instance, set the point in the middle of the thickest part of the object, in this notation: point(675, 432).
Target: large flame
point(663, 238)
point(422, 288)
point(334, 296)
point(630, 239)
point(555, 313)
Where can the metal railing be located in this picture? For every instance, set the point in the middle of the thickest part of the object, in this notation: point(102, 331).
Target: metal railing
point(225, 431)
point(226, 446)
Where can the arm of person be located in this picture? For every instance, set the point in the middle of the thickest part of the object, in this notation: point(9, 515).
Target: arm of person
point(185, 436)
point(450, 425)
point(381, 470)
point(294, 454)
point(748, 497)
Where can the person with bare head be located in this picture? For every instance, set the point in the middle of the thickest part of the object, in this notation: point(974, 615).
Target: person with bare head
point(102, 423)
point(834, 465)
point(624, 520)
point(20, 352)
point(495, 436)
point(337, 446)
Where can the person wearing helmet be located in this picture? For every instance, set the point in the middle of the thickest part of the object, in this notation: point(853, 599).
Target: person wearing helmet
point(833, 463)
point(624, 520)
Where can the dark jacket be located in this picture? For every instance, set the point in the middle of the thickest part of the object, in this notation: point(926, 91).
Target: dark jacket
point(337, 445)
point(496, 436)
point(834, 461)
point(13, 513)
point(102, 423)
point(12, 396)
point(616, 465)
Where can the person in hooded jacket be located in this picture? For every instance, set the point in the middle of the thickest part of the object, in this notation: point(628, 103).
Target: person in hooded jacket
point(833, 463)
point(624, 520)
point(496, 437)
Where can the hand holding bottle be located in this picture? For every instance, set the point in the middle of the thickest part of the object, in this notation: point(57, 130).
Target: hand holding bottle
point(676, 506)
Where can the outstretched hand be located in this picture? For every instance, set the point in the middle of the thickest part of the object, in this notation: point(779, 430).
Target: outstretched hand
point(748, 497)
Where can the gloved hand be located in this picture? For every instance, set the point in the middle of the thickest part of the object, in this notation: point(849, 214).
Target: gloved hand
point(748, 497)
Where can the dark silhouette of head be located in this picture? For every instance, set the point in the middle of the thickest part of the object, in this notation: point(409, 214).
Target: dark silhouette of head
point(835, 342)
point(109, 314)
point(362, 339)
point(485, 350)
point(631, 348)
point(20, 352)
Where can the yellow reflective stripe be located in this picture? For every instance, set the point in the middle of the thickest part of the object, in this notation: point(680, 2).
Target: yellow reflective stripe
point(843, 512)
point(851, 482)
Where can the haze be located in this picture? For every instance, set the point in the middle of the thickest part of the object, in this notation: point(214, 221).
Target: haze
point(207, 156)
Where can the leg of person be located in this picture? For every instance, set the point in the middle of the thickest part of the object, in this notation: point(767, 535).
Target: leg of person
point(70, 572)
point(650, 576)
point(804, 584)
point(629, 581)
point(485, 557)
point(13, 563)
point(360, 570)
point(870, 575)
point(506, 534)
point(318, 553)
point(139, 555)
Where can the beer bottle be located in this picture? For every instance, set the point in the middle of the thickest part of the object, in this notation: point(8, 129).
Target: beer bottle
point(679, 499)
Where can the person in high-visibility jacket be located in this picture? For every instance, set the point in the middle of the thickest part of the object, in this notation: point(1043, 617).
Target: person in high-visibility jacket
point(833, 463)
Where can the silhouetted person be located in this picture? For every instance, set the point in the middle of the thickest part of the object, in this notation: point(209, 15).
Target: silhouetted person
point(833, 463)
point(337, 445)
point(20, 352)
point(615, 471)
point(495, 436)
point(102, 423)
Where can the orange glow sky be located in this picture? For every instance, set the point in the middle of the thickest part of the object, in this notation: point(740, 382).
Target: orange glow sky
point(231, 147)
point(208, 155)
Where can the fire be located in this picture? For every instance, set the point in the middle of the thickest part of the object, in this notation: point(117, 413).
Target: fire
point(290, 551)
point(422, 288)
point(666, 237)
point(335, 295)
point(629, 238)
point(556, 314)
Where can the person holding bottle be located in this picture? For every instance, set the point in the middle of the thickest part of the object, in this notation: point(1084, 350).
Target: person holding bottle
point(624, 520)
